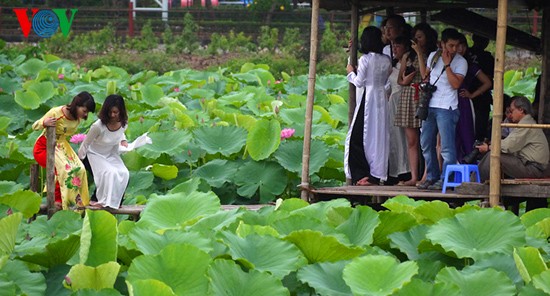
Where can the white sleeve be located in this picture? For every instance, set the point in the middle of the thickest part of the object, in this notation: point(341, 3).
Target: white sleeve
point(359, 79)
point(91, 136)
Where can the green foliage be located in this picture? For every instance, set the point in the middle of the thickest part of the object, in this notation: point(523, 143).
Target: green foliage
point(147, 39)
point(187, 41)
point(268, 38)
point(269, 5)
point(329, 42)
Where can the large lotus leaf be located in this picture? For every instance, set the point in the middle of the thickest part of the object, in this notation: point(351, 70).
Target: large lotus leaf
point(217, 172)
point(291, 223)
point(160, 145)
point(418, 287)
point(529, 262)
point(326, 116)
point(227, 278)
point(225, 140)
point(201, 93)
point(478, 232)
point(152, 243)
point(402, 204)
point(98, 241)
point(27, 202)
point(290, 155)
point(4, 124)
point(173, 210)
point(297, 116)
point(530, 290)
point(61, 225)
point(391, 222)
point(266, 253)
point(151, 94)
point(54, 279)
point(408, 241)
point(291, 204)
point(266, 78)
point(7, 287)
point(433, 211)
point(166, 172)
point(319, 210)
point(244, 230)
point(531, 218)
point(86, 277)
point(540, 230)
point(359, 228)
point(186, 187)
point(181, 267)
point(218, 221)
point(337, 216)
point(378, 275)
point(542, 281)
point(30, 67)
point(55, 253)
point(150, 287)
point(268, 177)
point(331, 83)
point(45, 89)
point(27, 99)
point(339, 112)
point(498, 262)
point(476, 283)
point(26, 282)
point(8, 231)
point(237, 99)
point(318, 247)
point(263, 139)
point(326, 278)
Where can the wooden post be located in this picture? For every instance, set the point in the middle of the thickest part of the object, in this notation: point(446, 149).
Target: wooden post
point(131, 19)
point(353, 61)
point(310, 97)
point(34, 171)
point(544, 109)
point(494, 189)
point(50, 170)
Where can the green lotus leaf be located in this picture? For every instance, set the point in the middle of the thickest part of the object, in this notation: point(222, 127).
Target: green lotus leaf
point(225, 140)
point(217, 172)
point(319, 210)
point(244, 230)
point(391, 222)
point(266, 78)
point(540, 230)
point(378, 275)
point(173, 210)
point(237, 99)
point(27, 99)
point(152, 243)
point(478, 232)
point(326, 278)
point(25, 281)
point(294, 222)
point(499, 262)
point(289, 155)
point(178, 138)
point(331, 83)
point(247, 78)
point(326, 116)
point(402, 204)
point(201, 93)
point(98, 241)
point(8, 231)
point(30, 67)
point(339, 112)
point(531, 218)
point(263, 139)
point(61, 225)
point(227, 278)
point(9, 85)
point(418, 287)
point(408, 241)
point(337, 216)
point(360, 236)
point(7, 287)
point(318, 247)
point(218, 221)
point(181, 267)
point(25, 201)
point(266, 253)
point(166, 172)
point(151, 94)
point(54, 279)
point(530, 290)
point(529, 262)
point(542, 281)
point(150, 287)
point(187, 187)
point(296, 116)
point(267, 177)
point(475, 283)
point(433, 211)
point(86, 277)
point(55, 253)
point(292, 204)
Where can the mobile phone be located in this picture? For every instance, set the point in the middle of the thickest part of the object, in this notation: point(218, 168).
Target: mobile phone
point(409, 70)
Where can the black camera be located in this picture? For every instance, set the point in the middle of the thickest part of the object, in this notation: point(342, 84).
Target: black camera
point(472, 156)
point(424, 101)
point(409, 70)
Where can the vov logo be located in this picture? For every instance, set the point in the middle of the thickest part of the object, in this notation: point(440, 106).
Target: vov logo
point(44, 22)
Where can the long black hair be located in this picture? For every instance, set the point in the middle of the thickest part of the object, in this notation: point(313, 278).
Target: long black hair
point(371, 40)
point(83, 99)
point(110, 102)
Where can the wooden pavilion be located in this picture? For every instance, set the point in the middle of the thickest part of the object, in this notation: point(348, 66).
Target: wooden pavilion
point(448, 10)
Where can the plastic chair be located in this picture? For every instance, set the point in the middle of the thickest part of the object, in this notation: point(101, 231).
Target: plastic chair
point(462, 174)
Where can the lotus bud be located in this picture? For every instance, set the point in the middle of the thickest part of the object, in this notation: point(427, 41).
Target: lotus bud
point(189, 153)
point(9, 212)
point(141, 119)
point(276, 110)
point(60, 76)
point(68, 281)
point(177, 89)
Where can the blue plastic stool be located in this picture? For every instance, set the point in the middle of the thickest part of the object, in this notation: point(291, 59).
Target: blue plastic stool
point(462, 174)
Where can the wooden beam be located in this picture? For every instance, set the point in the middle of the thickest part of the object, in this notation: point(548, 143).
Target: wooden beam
point(50, 170)
point(352, 100)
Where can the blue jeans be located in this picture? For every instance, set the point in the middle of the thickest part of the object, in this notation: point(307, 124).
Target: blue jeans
point(443, 121)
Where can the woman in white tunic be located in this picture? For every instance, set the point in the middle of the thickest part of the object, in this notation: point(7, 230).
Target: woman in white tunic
point(101, 146)
point(367, 141)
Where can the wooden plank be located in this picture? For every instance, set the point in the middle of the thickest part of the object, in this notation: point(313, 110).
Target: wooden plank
point(508, 190)
point(391, 191)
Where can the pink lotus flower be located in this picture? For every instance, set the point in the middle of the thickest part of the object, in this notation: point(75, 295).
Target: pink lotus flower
point(277, 81)
point(76, 181)
point(67, 167)
point(61, 76)
point(177, 89)
point(78, 138)
point(287, 133)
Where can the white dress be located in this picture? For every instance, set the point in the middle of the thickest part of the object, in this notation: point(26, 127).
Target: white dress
point(398, 160)
point(372, 74)
point(110, 174)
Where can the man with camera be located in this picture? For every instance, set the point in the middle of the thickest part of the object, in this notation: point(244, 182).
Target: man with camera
point(446, 72)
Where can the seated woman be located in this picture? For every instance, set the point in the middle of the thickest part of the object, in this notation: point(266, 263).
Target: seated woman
point(101, 146)
point(71, 186)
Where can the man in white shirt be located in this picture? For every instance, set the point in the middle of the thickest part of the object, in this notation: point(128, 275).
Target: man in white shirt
point(447, 75)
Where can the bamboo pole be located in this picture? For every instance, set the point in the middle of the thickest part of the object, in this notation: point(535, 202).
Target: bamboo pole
point(525, 125)
point(494, 189)
point(353, 61)
point(50, 170)
point(310, 97)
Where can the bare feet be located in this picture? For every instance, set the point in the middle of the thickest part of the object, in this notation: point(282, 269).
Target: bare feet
point(411, 182)
point(363, 182)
